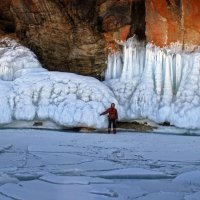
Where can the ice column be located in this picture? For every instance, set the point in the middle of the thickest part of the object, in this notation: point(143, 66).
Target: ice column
point(133, 61)
point(114, 66)
point(134, 57)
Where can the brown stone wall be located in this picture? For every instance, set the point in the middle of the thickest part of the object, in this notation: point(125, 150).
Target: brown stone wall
point(7, 24)
point(74, 35)
point(62, 33)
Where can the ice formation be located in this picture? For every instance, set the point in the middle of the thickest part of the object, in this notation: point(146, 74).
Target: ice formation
point(16, 60)
point(36, 94)
point(145, 82)
point(161, 84)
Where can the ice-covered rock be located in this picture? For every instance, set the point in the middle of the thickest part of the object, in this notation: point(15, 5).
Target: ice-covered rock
point(16, 60)
point(33, 93)
point(161, 84)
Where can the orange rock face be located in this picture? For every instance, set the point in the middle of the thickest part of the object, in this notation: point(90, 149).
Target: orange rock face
point(170, 21)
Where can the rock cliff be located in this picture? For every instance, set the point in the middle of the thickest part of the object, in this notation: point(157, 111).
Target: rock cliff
point(74, 35)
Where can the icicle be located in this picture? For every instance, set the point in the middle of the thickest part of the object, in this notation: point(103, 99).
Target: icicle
point(167, 90)
point(15, 58)
point(158, 71)
point(178, 71)
point(6, 72)
point(108, 73)
point(114, 66)
point(125, 71)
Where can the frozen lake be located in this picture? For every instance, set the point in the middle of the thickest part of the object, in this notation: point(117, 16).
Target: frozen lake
point(53, 165)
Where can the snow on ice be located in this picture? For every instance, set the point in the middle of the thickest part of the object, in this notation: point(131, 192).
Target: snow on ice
point(43, 165)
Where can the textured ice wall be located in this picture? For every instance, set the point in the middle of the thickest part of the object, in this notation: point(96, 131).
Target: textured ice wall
point(36, 94)
point(166, 87)
point(67, 99)
point(16, 60)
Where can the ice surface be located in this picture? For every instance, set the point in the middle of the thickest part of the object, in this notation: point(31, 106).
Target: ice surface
point(195, 196)
point(164, 88)
point(162, 196)
point(45, 191)
point(82, 180)
point(4, 178)
point(39, 164)
point(134, 173)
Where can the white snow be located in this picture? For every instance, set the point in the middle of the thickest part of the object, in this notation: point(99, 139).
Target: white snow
point(45, 165)
point(82, 180)
point(195, 196)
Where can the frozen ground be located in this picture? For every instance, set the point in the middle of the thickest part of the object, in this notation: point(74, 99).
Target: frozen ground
point(50, 165)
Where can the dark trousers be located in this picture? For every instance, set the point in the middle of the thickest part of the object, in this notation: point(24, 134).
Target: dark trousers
point(112, 122)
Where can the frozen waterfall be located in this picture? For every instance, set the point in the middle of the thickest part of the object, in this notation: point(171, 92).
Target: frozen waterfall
point(16, 60)
point(161, 84)
point(30, 93)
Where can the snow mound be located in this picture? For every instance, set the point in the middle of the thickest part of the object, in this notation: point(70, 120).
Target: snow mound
point(133, 173)
point(189, 178)
point(16, 60)
point(105, 192)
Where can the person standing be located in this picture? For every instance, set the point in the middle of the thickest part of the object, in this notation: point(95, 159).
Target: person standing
point(112, 117)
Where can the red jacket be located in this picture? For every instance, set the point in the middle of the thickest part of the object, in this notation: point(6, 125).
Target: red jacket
point(112, 113)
